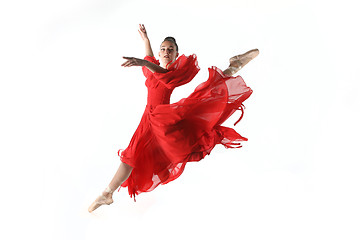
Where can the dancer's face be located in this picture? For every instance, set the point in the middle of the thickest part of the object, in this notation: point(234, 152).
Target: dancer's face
point(168, 53)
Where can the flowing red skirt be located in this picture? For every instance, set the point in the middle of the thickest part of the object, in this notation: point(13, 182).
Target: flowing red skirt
point(171, 135)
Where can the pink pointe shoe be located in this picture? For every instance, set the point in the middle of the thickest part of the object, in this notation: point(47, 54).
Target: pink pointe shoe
point(101, 200)
point(239, 61)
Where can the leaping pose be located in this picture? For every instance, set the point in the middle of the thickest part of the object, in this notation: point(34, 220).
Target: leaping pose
point(171, 135)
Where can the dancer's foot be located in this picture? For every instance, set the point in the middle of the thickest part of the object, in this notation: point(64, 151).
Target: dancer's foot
point(239, 61)
point(105, 198)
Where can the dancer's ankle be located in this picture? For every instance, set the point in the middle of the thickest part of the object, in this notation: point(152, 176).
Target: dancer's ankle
point(107, 192)
point(231, 71)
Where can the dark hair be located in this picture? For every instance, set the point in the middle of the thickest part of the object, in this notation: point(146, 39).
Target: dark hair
point(171, 39)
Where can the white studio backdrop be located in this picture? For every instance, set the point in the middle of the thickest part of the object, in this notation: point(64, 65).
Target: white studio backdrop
point(67, 107)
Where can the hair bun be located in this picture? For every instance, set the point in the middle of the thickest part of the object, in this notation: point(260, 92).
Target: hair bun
point(171, 39)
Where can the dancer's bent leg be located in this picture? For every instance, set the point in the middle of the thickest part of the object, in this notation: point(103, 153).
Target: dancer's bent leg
point(120, 176)
point(239, 61)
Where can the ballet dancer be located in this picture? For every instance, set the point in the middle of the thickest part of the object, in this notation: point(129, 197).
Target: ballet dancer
point(171, 135)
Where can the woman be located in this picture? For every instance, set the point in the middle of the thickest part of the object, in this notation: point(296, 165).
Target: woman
point(170, 135)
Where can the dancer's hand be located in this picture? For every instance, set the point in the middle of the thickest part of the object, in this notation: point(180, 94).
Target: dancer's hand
point(143, 33)
point(145, 38)
point(131, 61)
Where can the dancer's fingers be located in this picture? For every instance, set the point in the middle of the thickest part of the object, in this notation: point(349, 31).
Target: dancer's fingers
point(129, 64)
point(141, 27)
point(126, 64)
point(131, 61)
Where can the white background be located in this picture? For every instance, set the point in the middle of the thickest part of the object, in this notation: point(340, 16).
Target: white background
point(67, 107)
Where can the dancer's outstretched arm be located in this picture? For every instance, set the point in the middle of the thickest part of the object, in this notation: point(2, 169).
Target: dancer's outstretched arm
point(131, 61)
point(145, 38)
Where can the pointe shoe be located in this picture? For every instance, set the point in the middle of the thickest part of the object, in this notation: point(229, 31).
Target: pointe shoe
point(239, 61)
point(101, 200)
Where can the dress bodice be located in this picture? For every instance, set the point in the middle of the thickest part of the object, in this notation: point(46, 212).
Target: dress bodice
point(158, 93)
point(161, 85)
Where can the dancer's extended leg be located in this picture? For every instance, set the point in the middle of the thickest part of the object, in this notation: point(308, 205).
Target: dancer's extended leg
point(120, 176)
point(239, 61)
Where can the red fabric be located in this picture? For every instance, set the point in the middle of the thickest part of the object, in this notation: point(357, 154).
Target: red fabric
point(170, 135)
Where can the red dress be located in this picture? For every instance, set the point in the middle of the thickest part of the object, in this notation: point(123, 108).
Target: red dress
point(170, 135)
